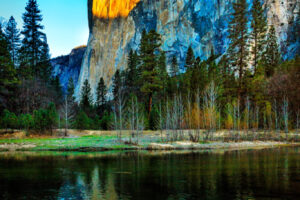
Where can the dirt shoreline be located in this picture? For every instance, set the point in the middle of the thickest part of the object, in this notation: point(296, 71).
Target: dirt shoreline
point(155, 147)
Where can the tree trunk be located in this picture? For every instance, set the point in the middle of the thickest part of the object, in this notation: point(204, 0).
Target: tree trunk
point(150, 105)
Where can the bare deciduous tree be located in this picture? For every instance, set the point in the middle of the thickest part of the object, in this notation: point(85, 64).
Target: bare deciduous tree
point(68, 114)
point(285, 115)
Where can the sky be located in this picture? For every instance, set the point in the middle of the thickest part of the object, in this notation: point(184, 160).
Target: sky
point(65, 22)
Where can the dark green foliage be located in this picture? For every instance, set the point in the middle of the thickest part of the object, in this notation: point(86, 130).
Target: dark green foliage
point(174, 70)
point(52, 116)
point(259, 30)
point(86, 97)
point(71, 91)
point(32, 43)
point(8, 80)
point(44, 68)
point(83, 122)
point(272, 54)
point(131, 73)
point(117, 84)
point(149, 52)
point(45, 119)
point(8, 120)
point(173, 79)
point(147, 80)
point(190, 58)
point(101, 93)
point(13, 39)
point(25, 121)
point(71, 106)
point(40, 118)
point(56, 89)
point(163, 76)
point(105, 122)
point(239, 48)
point(188, 77)
point(199, 77)
point(154, 119)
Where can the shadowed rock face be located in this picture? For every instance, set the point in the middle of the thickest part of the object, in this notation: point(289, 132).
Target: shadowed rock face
point(200, 23)
point(68, 66)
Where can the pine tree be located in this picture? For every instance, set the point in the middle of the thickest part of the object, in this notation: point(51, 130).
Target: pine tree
point(44, 68)
point(101, 96)
point(272, 54)
point(132, 74)
point(239, 49)
point(52, 117)
point(13, 38)
point(71, 91)
point(117, 84)
point(185, 86)
point(190, 58)
point(259, 29)
point(199, 77)
point(86, 97)
point(174, 70)
point(32, 43)
point(71, 96)
point(8, 80)
point(149, 52)
point(163, 74)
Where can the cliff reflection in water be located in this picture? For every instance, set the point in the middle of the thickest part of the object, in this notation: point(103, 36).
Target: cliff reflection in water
point(255, 174)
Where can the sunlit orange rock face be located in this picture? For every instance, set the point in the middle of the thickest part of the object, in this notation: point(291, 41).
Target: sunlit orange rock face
point(110, 9)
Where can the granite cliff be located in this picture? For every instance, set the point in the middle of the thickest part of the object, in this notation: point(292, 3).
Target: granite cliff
point(68, 66)
point(203, 24)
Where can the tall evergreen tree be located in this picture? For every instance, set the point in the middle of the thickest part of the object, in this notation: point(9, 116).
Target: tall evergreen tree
point(190, 58)
point(44, 67)
point(56, 88)
point(71, 96)
point(71, 91)
point(272, 54)
point(117, 84)
point(132, 74)
point(86, 97)
point(239, 49)
point(149, 52)
point(12, 34)
point(101, 96)
point(163, 74)
point(199, 77)
point(174, 70)
point(187, 76)
point(32, 43)
point(8, 80)
point(259, 30)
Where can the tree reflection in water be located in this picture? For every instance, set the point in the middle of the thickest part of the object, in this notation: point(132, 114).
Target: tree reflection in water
point(251, 174)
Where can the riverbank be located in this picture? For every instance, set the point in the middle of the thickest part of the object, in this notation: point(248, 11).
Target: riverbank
point(109, 142)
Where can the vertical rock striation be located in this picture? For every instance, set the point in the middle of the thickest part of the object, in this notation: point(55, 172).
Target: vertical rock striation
point(203, 24)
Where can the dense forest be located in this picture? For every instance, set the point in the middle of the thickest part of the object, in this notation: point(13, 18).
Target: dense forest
point(250, 88)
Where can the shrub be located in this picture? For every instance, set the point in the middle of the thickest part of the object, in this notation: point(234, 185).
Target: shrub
point(40, 119)
point(8, 120)
point(106, 121)
point(25, 121)
point(83, 122)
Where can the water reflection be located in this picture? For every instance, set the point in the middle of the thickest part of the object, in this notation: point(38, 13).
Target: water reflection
point(255, 174)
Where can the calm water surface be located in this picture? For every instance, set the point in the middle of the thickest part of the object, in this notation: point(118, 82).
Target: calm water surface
point(247, 174)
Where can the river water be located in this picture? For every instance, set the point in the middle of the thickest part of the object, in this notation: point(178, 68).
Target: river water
point(244, 174)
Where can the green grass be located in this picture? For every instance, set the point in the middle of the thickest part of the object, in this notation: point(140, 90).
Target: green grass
point(69, 143)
